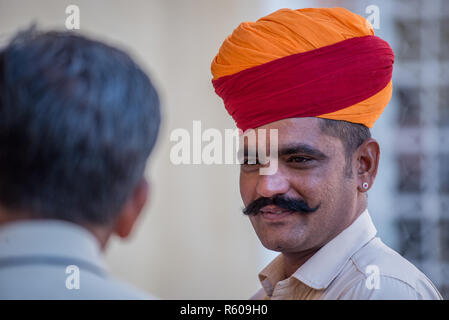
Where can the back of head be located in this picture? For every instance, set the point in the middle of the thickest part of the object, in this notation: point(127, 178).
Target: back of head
point(78, 120)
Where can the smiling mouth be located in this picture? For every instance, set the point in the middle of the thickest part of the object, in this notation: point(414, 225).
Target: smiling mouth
point(274, 213)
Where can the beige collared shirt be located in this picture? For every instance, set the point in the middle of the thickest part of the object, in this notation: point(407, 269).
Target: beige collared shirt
point(354, 265)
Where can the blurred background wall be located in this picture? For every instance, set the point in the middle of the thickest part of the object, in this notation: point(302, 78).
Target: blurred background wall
point(192, 240)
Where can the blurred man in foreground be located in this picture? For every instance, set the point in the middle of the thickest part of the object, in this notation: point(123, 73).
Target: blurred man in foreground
point(320, 79)
point(78, 121)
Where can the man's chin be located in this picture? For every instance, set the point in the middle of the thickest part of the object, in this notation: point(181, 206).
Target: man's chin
point(283, 237)
point(282, 245)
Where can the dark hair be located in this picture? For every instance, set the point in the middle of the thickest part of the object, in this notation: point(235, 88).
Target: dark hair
point(78, 120)
point(351, 134)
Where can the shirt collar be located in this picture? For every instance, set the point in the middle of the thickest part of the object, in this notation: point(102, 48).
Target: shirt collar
point(324, 266)
point(55, 238)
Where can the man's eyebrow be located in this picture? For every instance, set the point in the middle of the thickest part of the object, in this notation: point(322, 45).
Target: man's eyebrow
point(301, 148)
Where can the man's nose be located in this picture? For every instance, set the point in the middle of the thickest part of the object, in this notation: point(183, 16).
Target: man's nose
point(271, 185)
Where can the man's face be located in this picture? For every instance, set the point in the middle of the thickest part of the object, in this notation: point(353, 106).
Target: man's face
point(311, 167)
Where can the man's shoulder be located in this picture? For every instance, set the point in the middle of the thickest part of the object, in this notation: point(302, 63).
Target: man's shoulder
point(45, 282)
point(112, 288)
point(377, 257)
point(397, 277)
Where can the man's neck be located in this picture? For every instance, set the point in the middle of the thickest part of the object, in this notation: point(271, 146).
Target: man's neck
point(102, 234)
point(294, 260)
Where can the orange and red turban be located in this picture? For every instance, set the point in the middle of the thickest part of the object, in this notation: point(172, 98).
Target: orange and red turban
point(324, 63)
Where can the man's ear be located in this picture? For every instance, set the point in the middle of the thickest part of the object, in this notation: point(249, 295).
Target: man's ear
point(368, 155)
point(132, 209)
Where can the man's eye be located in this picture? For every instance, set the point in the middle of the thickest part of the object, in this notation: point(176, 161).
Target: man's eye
point(298, 159)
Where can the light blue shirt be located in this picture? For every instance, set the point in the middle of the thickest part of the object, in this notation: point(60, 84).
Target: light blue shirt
point(54, 259)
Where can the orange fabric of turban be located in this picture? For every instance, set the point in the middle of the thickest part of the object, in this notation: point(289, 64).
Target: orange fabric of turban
point(304, 37)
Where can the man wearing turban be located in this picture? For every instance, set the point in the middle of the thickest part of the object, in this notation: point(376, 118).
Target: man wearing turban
point(320, 78)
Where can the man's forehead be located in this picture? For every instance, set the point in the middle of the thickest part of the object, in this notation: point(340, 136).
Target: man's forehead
point(295, 126)
point(292, 131)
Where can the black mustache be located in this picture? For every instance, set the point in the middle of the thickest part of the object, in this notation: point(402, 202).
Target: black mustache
point(282, 202)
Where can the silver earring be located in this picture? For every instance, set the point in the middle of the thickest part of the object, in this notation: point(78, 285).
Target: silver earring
point(365, 185)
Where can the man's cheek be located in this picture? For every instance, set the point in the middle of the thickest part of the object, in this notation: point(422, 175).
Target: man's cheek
point(247, 192)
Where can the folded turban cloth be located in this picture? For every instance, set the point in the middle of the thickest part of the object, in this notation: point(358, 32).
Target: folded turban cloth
point(315, 62)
